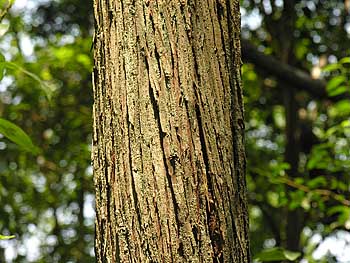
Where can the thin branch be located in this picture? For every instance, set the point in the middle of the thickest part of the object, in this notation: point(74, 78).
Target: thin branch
point(323, 192)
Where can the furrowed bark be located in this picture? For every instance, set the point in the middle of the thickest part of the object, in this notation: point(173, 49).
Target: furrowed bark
point(168, 143)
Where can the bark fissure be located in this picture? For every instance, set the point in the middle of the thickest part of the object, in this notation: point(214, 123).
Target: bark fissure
point(212, 218)
point(134, 193)
point(161, 136)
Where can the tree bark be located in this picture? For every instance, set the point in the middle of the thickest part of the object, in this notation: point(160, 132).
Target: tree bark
point(168, 144)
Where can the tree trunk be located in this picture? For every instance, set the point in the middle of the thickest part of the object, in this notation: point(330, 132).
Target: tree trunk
point(168, 149)
point(294, 218)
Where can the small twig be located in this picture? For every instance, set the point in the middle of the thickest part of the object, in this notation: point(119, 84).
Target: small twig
point(6, 10)
point(48, 89)
point(323, 192)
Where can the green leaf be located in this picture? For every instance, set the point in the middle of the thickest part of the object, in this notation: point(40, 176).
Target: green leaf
point(6, 237)
point(331, 67)
point(340, 109)
point(17, 135)
point(335, 82)
point(6, 2)
point(345, 60)
point(276, 254)
point(337, 91)
point(337, 209)
point(2, 66)
point(319, 181)
point(317, 159)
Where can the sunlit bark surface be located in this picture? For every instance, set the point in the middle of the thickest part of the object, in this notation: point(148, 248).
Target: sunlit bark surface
point(168, 153)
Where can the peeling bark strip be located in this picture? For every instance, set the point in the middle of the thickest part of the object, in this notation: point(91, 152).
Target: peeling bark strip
point(168, 151)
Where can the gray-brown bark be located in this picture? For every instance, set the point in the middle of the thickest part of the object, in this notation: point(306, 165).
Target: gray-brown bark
point(168, 153)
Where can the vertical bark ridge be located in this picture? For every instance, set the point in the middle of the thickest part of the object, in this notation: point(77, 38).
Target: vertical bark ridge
point(169, 179)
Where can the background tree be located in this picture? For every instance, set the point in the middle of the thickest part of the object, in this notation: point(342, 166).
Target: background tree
point(168, 149)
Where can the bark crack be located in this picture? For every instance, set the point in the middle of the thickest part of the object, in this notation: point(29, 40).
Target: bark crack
point(162, 134)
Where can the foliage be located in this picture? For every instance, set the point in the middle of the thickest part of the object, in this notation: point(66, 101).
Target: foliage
point(6, 237)
point(276, 254)
point(319, 193)
point(17, 135)
point(46, 199)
